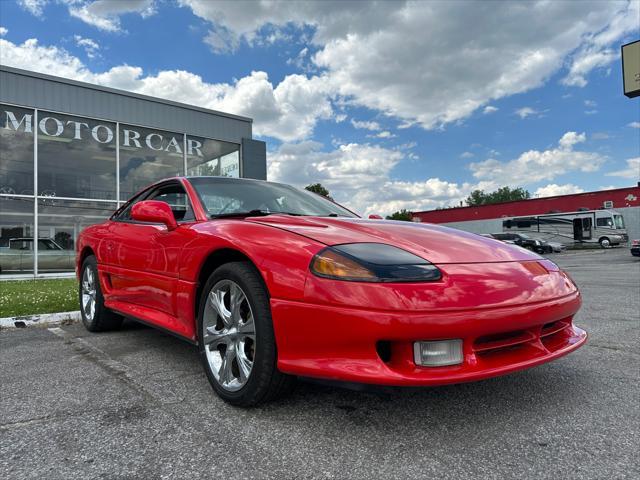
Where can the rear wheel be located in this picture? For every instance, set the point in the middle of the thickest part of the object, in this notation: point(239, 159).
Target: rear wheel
point(95, 316)
point(235, 337)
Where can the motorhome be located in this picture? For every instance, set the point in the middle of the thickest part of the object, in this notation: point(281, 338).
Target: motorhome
point(605, 227)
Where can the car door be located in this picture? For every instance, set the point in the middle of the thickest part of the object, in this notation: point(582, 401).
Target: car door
point(143, 257)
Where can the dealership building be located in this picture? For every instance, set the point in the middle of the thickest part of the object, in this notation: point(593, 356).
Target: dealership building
point(490, 218)
point(72, 152)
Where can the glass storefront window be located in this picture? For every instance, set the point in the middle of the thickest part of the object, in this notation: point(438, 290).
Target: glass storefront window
point(59, 224)
point(212, 157)
point(147, 156)
point(16, 150)
point(76, 157)
point(16, 235)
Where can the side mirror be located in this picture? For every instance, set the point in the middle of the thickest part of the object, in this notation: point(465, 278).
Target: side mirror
point(373, 216)
point(155, 212)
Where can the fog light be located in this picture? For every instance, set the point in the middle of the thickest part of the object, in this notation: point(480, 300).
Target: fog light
point(438, 353)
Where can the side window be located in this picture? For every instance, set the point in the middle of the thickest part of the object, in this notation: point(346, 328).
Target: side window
point(177, 199)
point(604, 222)
point(173, 194)
point(44, 245)
point(125, 214)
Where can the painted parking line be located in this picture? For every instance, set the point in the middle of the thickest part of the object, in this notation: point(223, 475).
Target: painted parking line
point(152, 390)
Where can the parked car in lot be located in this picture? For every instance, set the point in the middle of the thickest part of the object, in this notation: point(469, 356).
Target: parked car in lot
point(17, 256)
point(635, 248)
point(524, 240)
point(557, 247)
point(272, 282)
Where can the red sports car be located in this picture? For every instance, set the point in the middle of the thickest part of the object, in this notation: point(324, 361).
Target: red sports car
point(272, 282)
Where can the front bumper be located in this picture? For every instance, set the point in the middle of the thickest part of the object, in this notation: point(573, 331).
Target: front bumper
point(376, 346)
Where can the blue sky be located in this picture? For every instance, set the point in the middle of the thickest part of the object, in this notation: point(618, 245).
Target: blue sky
point(389, 104)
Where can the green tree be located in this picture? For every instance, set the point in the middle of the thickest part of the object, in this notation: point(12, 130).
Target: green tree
point(404, 215)
point(504, 194)
point(319, 189)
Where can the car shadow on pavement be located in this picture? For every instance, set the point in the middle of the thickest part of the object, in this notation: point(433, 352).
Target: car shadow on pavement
point(535, 392)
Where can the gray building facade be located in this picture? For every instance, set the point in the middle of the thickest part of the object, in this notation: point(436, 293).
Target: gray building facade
point(72, 152)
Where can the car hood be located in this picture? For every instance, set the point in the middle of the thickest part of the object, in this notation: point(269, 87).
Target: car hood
point(438, 244)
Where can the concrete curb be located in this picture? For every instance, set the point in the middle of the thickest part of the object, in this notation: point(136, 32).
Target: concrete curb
point(40, 320)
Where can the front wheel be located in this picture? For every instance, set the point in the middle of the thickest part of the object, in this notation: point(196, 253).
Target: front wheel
point(95, 316)
point(604, 242)
point(236, 339)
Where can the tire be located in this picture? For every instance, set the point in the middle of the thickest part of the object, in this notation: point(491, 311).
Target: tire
point(102, 319)
point(604, 242)
point(233, 342)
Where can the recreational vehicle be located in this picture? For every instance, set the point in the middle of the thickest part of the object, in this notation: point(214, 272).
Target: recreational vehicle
point(605, 227)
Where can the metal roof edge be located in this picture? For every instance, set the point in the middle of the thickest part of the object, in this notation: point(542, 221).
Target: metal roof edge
point(116, 91)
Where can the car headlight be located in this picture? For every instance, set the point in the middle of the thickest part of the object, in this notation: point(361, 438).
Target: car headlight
point(372, 262)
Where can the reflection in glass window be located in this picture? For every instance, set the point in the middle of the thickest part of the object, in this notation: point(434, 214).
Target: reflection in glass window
point(147, 156)
point(16, 150)
point(212, 157)
point(16, 235)
point(76, 157)
point(59, 224)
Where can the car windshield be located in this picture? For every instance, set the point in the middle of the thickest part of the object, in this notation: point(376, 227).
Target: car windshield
point(524, 235)
point(619, 221)
point(229, 197)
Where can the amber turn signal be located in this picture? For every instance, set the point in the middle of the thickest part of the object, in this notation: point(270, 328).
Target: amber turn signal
point(331, 264)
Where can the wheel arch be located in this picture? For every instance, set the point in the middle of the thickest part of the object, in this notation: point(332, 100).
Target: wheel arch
point(216, 259)
point(84, 253)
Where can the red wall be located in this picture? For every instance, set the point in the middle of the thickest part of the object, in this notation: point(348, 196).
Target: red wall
point(621, 197)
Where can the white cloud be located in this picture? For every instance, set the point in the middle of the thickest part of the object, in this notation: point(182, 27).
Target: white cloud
point(489, 109)
point(3, 31)
point(590, 103)
point(373, 126)
point(300, 60)
point(600, 47)
point(287, 111)
point(34, 7)
point(525, 112)
point(632, 171)
point(362, 47)
point(90, 47)
point(105, 14)
point(358, 176)
point(634, 125)
point(466, 155)
point(385, 134)
point(553, 189)
point(534, 165)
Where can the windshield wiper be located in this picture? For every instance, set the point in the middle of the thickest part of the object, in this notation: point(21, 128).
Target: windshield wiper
point(253, 213)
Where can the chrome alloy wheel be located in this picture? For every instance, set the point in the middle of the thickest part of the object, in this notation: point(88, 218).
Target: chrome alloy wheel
point(88, 293)
point(229, 335)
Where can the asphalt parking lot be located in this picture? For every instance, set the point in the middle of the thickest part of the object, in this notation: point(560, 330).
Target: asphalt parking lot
point(136, 404)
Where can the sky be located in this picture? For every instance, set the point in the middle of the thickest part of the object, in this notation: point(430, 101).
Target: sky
point(390, 105)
